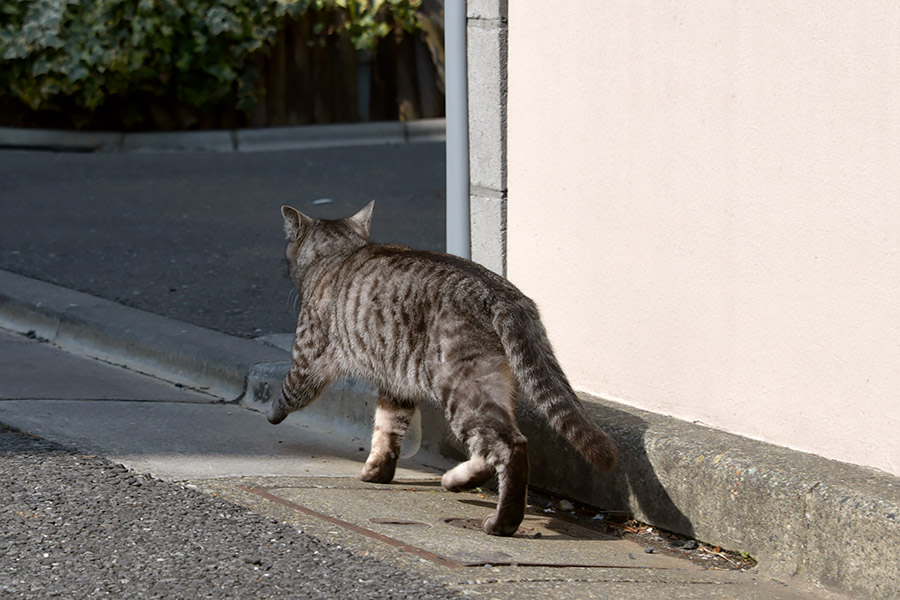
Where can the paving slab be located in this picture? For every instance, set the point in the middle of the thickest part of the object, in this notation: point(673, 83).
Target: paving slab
point(446, 527)
point(415, 524)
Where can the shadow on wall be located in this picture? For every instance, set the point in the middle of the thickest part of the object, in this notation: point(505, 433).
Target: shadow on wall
point(632, 488)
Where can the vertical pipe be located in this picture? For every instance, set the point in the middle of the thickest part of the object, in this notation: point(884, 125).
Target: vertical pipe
point(456, 108)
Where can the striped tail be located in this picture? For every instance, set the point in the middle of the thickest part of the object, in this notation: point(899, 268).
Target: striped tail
point(539, 375)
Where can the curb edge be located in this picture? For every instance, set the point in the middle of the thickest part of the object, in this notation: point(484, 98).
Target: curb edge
point(227, 140)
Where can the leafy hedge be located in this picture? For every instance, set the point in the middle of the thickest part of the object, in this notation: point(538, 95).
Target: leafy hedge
point(81, 56)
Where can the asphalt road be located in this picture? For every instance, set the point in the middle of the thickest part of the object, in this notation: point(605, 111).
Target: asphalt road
point(198, 236)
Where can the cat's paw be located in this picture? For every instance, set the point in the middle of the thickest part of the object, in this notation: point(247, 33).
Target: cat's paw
point(276, 413)
point(377, 473)
point(494, 526)
point(451, 483)
point(467, 476)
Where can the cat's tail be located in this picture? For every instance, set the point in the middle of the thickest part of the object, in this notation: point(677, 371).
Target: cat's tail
point(542, 380)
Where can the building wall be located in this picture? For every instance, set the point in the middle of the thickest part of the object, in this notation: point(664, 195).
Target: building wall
point(704, 201)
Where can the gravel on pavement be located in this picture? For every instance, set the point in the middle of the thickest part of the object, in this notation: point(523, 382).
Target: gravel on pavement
point(78, 526)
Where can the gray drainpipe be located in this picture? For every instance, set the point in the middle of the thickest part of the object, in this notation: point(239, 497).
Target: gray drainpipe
point(456, 109)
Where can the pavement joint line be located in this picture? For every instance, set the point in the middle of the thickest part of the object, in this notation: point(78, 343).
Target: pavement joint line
point(402, 546)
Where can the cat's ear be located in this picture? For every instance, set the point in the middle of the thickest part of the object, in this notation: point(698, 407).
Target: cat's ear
point(360, 221)
point(294, 222)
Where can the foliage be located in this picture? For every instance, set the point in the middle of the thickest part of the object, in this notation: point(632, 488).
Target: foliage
point(365, 20)
point(84, 54)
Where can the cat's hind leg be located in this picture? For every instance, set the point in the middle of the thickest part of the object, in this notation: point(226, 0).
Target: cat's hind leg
point(480, 410)
point(467, 475)
point(392, 419)
point(506, 452)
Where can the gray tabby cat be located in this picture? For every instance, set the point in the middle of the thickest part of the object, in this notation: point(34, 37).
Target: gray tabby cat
point(427, 325)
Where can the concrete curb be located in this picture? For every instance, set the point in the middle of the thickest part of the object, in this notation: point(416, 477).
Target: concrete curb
point(228, 368)
point(231, 140)
point(145, 342)
point(800, 515)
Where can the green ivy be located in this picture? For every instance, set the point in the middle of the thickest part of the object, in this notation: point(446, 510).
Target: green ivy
point(365, 19)
point(59, 53)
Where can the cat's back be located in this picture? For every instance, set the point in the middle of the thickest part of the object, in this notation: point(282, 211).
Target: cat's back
point(386, 286)
point(428, 273)
point(397, 311)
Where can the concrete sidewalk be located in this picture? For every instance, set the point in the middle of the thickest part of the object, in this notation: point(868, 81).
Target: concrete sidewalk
point(669, 470)
point(303, 474)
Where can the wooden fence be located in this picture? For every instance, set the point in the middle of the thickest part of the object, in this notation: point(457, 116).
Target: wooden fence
point(309, 78)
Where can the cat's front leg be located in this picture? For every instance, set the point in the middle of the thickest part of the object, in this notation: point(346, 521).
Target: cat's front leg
point(298, 389)
point(309, 373)
point(392, 419)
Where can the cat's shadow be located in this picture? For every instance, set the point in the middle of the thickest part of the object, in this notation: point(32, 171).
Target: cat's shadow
point(428, 483)
point(633, 488)
point(548, 527)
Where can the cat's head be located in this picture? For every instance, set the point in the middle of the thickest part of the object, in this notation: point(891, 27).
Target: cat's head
point(309, 239)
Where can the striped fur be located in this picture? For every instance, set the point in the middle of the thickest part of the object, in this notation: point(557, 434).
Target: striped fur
point(426, 325)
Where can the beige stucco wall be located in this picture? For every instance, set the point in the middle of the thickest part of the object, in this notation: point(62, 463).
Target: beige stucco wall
point(704, 200)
